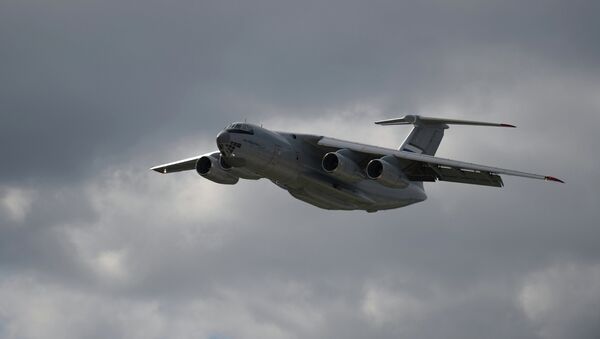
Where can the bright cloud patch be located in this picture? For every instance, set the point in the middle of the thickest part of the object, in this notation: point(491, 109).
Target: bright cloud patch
point(16, 202)
point(37, 309)
point(381, 305)
point(564, 300)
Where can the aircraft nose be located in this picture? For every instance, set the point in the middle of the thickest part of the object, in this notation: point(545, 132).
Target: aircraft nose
point(223, 138)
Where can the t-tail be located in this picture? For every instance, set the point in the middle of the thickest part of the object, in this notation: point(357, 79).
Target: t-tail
point(427, 133)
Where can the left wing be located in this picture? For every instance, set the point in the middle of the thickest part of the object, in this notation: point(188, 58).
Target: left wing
point(177, 166)
point(422, 167)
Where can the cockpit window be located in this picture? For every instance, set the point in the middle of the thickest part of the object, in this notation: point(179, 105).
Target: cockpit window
point(239, 127)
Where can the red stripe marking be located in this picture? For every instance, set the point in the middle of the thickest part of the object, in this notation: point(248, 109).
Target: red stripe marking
point(549, 178)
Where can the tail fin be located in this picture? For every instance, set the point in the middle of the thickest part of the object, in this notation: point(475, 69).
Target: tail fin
point(427, 134)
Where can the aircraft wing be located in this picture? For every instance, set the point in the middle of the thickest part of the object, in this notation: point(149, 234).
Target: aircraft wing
point(422, 167)
point(177, 166)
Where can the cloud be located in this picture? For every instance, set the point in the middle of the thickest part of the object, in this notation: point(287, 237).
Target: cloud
point(110, 263)
point(381, 306)
point(93, 244)
point(16, 203)
point(563, 300)
point(32, 309)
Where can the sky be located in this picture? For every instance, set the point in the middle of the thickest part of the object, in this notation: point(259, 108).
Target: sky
point(94, 245)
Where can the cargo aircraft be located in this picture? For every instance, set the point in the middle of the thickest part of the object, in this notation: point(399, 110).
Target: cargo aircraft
point(335, 174)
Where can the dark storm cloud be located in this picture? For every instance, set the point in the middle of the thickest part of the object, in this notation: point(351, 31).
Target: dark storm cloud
point(92, 93)
point(88, 78)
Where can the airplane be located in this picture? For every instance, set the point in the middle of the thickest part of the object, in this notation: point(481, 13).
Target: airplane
point(335, 174)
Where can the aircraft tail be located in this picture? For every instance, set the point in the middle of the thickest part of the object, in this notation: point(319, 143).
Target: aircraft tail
point(427, 133)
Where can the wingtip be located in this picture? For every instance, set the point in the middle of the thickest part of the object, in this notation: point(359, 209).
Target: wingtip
point(508, 125)
point(549, 178)
point(159, 170)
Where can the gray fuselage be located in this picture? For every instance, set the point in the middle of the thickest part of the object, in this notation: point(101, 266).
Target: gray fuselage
point(294, 163)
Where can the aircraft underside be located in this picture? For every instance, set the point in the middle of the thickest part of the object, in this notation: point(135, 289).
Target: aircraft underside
point(365, 196)
point(330, 202)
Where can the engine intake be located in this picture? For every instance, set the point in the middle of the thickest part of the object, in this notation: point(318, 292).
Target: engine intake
point(214, 169)
point(342, 166)
point(385, 172)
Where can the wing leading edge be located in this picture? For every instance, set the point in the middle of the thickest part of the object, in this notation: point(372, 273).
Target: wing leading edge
point(443, 169)
point(177, 166)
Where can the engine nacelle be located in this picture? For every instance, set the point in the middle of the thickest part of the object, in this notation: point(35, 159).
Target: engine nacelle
point(214, 169)
point(342, 166)
point(386, 173)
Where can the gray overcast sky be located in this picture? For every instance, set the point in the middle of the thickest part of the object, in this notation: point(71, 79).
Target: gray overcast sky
point(93, 245)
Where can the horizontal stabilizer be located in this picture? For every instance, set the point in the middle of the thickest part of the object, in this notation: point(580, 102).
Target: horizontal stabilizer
point(419, 120)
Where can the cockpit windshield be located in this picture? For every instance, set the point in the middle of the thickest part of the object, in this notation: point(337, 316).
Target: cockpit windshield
point(240, 127)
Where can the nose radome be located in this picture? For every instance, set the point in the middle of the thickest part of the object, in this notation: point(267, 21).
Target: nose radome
point(223, 138)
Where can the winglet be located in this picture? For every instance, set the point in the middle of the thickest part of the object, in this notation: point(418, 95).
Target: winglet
point(549, 178)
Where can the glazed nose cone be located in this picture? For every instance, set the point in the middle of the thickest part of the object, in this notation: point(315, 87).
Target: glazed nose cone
point(223, 138)
point(223, 142)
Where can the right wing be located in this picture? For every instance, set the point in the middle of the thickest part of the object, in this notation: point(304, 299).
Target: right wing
point(177, 166)
point(424, 167)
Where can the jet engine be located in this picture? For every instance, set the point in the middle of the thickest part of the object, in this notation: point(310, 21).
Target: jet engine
point(341, 165)
point(213, 168)
point(385, 172)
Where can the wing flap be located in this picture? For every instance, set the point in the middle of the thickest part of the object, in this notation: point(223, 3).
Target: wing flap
point(467, 177)
point(444, 169)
